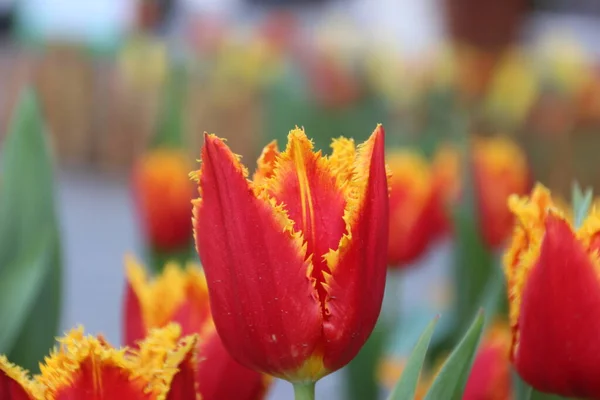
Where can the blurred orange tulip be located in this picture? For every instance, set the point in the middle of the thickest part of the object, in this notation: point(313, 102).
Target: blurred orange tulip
point(417, 205)
point(499, 170)
point(163, 192)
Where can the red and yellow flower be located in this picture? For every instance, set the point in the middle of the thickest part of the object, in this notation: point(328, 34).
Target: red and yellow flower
point(86, 367)
point(181, 296)
point(552, 270)
point(500, 169)
point(162, 195)
point(295, 259)
point(417, 207)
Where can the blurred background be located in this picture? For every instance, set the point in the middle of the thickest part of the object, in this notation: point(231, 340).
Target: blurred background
point(117, 78)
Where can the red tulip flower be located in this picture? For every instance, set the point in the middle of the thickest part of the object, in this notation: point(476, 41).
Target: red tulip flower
point(295, 259)
point(163, 368)
point(180, 296)
point(552, 270)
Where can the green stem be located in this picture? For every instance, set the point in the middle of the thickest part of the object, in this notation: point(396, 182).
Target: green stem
point(304, 390)
point(361, 372)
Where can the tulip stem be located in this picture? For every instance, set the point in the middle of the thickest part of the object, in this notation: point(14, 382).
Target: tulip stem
point(304, 390)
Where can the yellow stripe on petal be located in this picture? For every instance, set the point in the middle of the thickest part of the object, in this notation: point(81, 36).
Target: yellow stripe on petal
point(298, 147)
point(311, 195)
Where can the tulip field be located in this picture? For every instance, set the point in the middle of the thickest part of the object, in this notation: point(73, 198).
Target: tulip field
point(283, 194)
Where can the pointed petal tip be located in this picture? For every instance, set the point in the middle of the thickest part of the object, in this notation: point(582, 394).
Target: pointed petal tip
point(379, 130)
point(272, 145)
point(377, 138)
point(211, 138)
point(556, 226)
point(297, 136)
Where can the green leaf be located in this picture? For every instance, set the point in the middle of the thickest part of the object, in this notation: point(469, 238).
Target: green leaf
point(474, 264)
point(407, 384)
point(494, 300)
point(19, 286)
point(521, 390)
point(38, 333)
point(535, 395)
point(27, 214)
point(581, 203)
point(450, 381)
point(26, 193)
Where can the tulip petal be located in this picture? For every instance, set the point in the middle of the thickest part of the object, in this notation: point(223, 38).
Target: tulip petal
point(177, 294)
point(194, 312)
point(14, 383)
point(342, 159)
point(559, 317)
point(85, 367)
point(216, 363)
point(358, 267)
point(526, 243)
point(134, 328)
point(168, 362)
point(266, 163)
point(310, 194)
point(255, 266)
point(184, 384)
